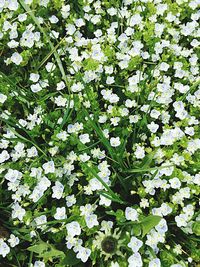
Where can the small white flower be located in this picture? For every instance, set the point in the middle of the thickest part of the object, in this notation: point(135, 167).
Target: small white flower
point(13, 175)
point(110, 80)
point(77, 87)
point(135, 244)
point(135, 260)
point(2, 98)
point(83, 254)
point(50, 66)
point(60, 101)
point(53, 19)
point(39, 264)
point(70, 200)
point(62, 136)
point(91, 220)
point(140, 152)
point(181, 220)
point(13, 240)
point(17, 211)
point(84, 138)
point(57, 190)
point(60, 86)
point(104, 201)
point(36, 88)
point(135, 20)
point(131, 214)
point(155, 263)
point(4, 248)
point(41, 221)
point(34, 77)
point(115, 141)
point(60, 213)
point(175, 183)
point(153, 127)
point(16, 58)
point(73, 228)
point(32, 152)
point(49, 167)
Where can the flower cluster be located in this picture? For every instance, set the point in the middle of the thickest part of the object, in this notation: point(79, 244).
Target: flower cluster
point(99, 133)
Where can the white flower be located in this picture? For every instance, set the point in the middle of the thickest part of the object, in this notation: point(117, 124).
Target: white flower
point(13, 240)
point(115, 141)
point(4, 248)
point(34, 77)
point(155, 263)
point(16, 58)
point(131, 214)
point(153, 127)
point(135, 260)
point(164, 66)
point(181, 220)
point(62, 135)
point(70, 200)
point(60, 86)
point(39, 264)
point(53, 19)
point(73, 228)
point(83, 254)
point(32, 152)
point(13, 5)
point(13, 175)
point(57, 190)
point(135, 20)
point(50, 66)
point(2, 98)
point(77, 87)
point(91, 220)
point(175, 183)
point(41, 221)
point(110, 80)
point(4, 156)
point(49, 167)
point(17, 211)
point(104, 201)
point(36, 88)
point(162, 227)
point(114, 264)
point(135, 244)
point(84, 157)
point(139, 152)
point(60, 213)
point(60, 101)
point(84, 138)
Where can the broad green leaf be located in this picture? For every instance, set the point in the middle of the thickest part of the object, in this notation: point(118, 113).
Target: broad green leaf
point(69, 259)
point(46, 251)
point(149, 223)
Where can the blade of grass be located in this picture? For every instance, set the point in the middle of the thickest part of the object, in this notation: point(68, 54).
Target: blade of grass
point(148, 169)
point(101, 136)
point(112, 194)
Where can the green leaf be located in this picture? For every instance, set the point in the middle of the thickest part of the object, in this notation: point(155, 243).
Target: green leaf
point(46, 251)
point(149, 223)
point(69, 259)
point(196, 228)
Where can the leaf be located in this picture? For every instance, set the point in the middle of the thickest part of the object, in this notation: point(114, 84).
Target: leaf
point(149, 223)
point(46, 251)
point(69, 259)
point(146, 162)
point(38, 248)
